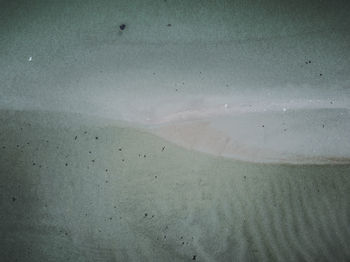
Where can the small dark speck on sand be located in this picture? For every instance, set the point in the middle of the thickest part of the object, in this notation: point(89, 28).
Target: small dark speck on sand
point(122, 26)
point(76, 137)
point(96, 137)
point(323, 126)
point(66, 164)
point(194, 257)
point(120, 149)
point(163, 148)
point(169, 25)
point(146, 214)
point(321, 74)
point(14, 199)
point(144, 155)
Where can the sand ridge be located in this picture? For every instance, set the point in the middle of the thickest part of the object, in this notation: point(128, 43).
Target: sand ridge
point(109, 193)
point(297, 136)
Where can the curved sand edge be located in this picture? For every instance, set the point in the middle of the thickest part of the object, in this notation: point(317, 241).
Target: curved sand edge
point(309, 136)
point(154, 201)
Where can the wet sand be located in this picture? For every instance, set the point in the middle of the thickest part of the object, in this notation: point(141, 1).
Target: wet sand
point(75, 188)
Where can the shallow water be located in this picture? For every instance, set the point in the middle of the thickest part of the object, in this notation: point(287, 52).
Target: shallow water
point(101, 191)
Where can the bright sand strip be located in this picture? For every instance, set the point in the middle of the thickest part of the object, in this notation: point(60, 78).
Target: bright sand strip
point(80, 189)
point(285, 136)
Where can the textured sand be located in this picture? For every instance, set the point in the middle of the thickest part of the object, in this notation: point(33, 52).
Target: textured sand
point(67, 196)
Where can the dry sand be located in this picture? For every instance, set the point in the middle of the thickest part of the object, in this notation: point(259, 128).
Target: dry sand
point(106, 192)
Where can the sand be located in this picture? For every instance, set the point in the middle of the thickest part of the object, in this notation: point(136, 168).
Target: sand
point(294, 136)
point(200, 130)
point(94, 190)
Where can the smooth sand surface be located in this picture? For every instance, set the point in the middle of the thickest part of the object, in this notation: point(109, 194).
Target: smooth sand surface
point(296, 136)
point(101, 191)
